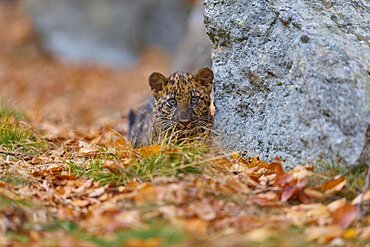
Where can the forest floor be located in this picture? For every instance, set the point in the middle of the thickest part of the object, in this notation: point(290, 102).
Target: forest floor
point(68, 176)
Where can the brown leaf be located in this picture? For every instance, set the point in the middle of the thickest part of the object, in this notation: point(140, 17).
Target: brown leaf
point(80, 203)
point(147, 194)
point(300, 172)
point(311, 193)
point(333, 186)
point(336, 204)
point(345, 215)
point(81, 190)
point(277, 166)
point(149, 151)
point(361, 197)
point(286, 179)
point(152, 242)
point(206, 211)
point(193, 225)
point(97, 192)
point(323, 234)
point(260, 235)
point(264, 202)
point(365, 233)
point(114, 167)
point(86, 148)
point(288, 193)
point(308, 213)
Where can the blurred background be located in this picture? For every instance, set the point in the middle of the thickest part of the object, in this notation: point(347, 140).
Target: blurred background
point(83, 60)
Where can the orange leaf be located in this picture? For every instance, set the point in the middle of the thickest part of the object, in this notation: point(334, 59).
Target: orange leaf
point(288, 193)
point(345, 215)
point(333, 186)
point(311, 193)
point(350, 234)
point(193, 225)
point(149, 151)
point(152, 242)
point(277, 166)
point(264, 202)
point(284, 180)
point(147, 194)
point(221, 163)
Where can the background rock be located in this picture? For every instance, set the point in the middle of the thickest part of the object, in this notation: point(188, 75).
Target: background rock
point(292, 77)
point(110, 33)
point(195, 49)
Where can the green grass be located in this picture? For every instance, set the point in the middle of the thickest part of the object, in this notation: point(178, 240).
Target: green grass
point(159, 230)
point(292, 236)
point(184, 160)
point(12, 179)
point(6, 112)
point(6, 201)
point(16, 135)
point(20, 238)
point(355, 176)
point(94, 169)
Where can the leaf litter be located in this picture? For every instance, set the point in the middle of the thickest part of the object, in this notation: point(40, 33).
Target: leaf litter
point(64, 184)
point(224, 195)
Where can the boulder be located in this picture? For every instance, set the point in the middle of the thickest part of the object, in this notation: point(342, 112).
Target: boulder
point(110, 33)
point(194, 51)
point(292, 78)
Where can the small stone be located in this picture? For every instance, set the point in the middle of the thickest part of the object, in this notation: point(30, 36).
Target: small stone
point(305, 38)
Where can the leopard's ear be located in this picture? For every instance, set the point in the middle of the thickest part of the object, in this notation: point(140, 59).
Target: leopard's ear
point(157, 81)
point(205, 78)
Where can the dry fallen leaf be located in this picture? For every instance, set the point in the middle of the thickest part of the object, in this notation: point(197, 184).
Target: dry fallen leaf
point(114, 167)
point(195, 226)
point(345, 215)
point(333, 206)
point(365, 234)
point(260, 235)
point(205, 211)
point(146, 194)
point(334, 186)
point(152, 242)
point(97, 192)
point(350, 234)
point(323, 234)
point(149, 151)
point(86, 148)
point(361, 197)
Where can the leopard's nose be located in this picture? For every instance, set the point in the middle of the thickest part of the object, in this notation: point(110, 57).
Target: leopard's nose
point(185, 122)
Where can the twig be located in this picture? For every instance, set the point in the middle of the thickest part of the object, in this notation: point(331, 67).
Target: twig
point(364, 190)
point(19, 155)
point(10, 153)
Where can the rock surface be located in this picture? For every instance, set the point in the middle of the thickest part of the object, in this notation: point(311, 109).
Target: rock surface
point(110, 33)
point(195, 49)
point(292, 78)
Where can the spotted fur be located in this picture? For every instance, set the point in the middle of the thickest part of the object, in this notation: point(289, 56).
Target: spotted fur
point(180, 108)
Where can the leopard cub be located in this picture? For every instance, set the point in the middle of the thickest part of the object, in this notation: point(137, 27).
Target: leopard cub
point(178, 110)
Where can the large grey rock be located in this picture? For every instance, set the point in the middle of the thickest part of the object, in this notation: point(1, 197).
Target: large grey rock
point(195, 49)
point(108, 32)
point(292, 77)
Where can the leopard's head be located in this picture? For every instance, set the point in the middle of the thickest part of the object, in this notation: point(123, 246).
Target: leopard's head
point(182, 102)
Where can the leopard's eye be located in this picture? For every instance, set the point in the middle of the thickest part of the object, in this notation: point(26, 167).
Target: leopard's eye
point(172, 102)
point(195, 100)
